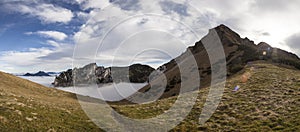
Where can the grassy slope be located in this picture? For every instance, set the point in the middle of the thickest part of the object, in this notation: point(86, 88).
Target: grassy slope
point(29, 106)
point(269, 101)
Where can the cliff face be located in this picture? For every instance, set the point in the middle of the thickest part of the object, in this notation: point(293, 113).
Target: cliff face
point(91, 74)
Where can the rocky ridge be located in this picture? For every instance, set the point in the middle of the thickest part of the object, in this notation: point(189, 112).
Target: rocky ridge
point(91, 74)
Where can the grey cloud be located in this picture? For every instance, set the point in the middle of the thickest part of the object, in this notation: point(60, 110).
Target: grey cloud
point(143, 21)
point(273, 5)
point(294, 43)
point(170, 6)
point(265, 34)
point(57, 56)
point(127, 4)
point(65, 51)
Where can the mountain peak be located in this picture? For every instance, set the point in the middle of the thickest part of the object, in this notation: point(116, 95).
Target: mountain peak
point(263, 44)
point(227, 35)
point(222, 26)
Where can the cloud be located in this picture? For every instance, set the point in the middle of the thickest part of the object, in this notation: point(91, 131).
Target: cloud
point(60, 36)
point(265, 34)
point(170, 7)
point(294, 43)
point(127, 4)
point(36, 59)
point(4, 28)
point(93, 4)
point(47, 13)
point(268, 6)
point(109, 28)
point(117, 34)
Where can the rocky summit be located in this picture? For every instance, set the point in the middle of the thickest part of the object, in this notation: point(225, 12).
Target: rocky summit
point(93, 74)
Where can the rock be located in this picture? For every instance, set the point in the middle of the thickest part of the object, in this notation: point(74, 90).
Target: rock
point(20, 104)
point(65, 79)
point(3, 119)
point(18, 112)
point(34, 113)
point(29, 119)
point(51, 130)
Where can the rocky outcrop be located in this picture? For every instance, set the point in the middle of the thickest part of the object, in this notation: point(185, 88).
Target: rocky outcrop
point(91, 74)
point(64, 79)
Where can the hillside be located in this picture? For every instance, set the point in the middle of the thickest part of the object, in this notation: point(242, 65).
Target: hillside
point(25, 105)
point(268, 101)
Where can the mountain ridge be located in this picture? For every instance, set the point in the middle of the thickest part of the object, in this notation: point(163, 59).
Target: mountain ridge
point(238, 52)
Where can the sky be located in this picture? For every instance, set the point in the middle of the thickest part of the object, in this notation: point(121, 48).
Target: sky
point(55, 35)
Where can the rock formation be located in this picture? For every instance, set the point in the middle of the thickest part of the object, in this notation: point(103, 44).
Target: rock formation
point(91, 74)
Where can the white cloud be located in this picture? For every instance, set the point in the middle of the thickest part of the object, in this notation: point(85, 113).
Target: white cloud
point(114, 34)
point(47, 13)
point(50, 34)
point(93, 4)
point(36, 59)
point(114, 25)
point(53, 43)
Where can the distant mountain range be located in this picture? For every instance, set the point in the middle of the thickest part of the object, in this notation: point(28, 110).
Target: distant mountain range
point(41, 73)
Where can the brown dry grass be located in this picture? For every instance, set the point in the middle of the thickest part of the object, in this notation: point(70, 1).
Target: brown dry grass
point(27, 106)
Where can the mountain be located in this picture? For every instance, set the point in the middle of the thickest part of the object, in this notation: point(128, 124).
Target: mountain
point(91, 73)
point(40, 73)
point(238, 52)
point(27, 106)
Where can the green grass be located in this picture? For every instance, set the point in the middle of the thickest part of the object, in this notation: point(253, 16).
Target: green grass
point(269, 101)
